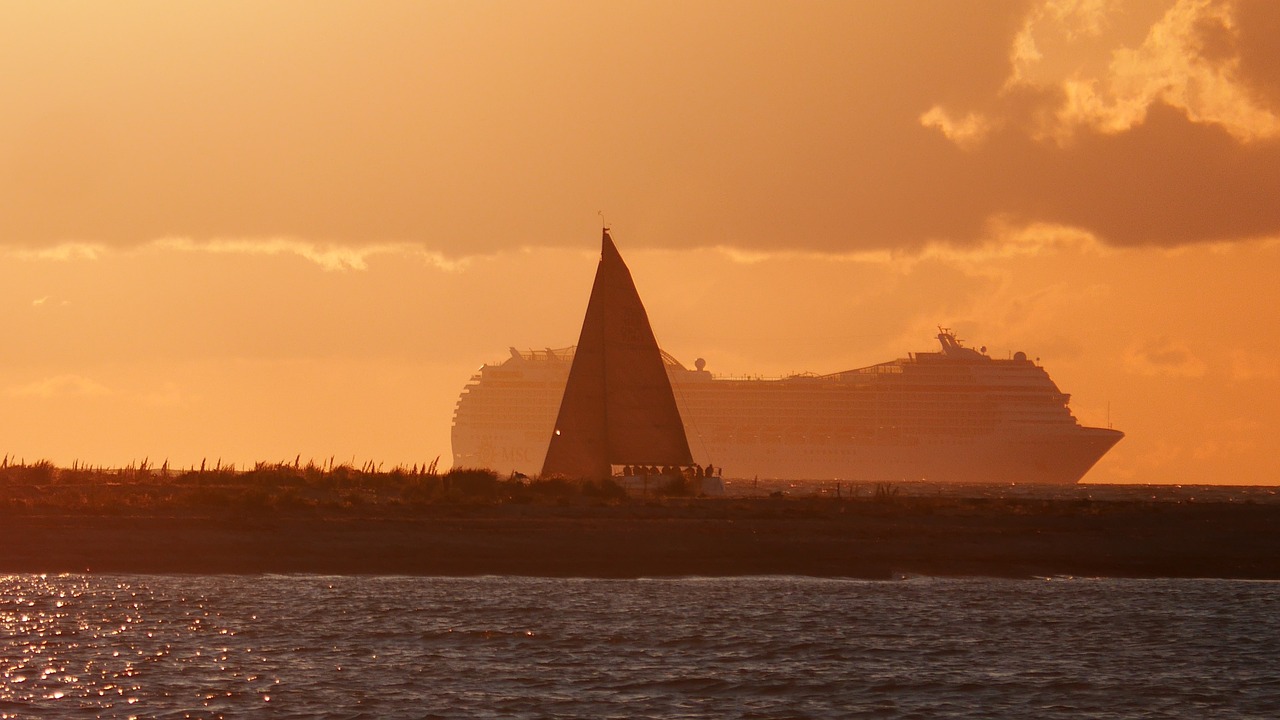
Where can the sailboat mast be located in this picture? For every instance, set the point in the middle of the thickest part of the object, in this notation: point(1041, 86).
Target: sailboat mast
point(605, 242)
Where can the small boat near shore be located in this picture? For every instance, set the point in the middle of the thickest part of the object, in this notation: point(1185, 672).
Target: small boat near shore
point(618, 417)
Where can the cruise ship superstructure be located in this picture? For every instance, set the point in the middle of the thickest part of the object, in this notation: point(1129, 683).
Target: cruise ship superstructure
point(955, 415)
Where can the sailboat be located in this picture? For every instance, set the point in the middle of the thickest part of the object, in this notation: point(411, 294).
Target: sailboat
point(618, 408)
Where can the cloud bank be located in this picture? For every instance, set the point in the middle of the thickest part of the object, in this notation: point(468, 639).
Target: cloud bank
point(473, 129)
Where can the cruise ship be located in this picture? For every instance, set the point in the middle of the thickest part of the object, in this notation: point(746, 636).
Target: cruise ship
point(954, 415)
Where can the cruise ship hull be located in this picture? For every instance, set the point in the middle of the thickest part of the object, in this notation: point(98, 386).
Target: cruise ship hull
point(1051, 458)
point(1058, 458)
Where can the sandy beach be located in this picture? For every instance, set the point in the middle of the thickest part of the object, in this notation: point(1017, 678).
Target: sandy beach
point(828, 537)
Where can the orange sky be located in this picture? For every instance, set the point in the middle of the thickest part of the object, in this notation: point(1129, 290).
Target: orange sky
point(249, 231)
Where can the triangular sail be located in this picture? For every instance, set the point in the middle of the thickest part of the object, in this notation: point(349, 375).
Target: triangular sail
point(618, 407)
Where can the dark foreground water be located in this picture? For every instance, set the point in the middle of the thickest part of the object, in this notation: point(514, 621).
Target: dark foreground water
point(777, 647)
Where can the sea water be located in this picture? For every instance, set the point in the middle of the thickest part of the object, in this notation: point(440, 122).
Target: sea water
point(301, 646)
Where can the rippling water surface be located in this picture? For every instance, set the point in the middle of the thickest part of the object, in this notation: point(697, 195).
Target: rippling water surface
point(777, 647)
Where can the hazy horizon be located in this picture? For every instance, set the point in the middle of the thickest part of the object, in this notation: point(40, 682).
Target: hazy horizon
point(252, 232)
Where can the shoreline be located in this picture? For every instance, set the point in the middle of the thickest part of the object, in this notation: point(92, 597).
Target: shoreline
point(820, 537)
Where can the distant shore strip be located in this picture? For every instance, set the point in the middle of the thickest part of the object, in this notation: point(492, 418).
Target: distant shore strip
point(284, 518)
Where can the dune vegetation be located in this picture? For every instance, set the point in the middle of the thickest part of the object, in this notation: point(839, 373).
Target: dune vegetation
point(278, 486)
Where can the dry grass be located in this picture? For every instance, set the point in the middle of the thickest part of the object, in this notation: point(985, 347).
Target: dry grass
point(282, 486)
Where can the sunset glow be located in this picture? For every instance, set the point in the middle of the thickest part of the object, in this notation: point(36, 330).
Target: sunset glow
point(245, 231)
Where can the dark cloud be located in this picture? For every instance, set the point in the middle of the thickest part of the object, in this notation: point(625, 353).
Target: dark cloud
point(1168, 181)
point(474, 127)
point(1258, 41)
point(468, 130)
point(1163, 356)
